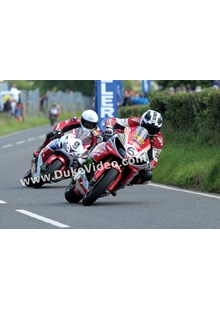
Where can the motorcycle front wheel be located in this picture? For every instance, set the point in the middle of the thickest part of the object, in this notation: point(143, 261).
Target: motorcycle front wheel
point(49, 173)
point(27, 179)
point(71, 196)
point(100, 187)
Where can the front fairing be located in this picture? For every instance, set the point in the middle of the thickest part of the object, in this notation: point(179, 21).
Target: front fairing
point(76, 143)
point(131, 144)
point(70, 146)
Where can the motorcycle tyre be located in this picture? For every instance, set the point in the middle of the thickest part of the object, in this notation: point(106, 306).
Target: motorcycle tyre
point(27, 177)
point(70, 195)
point(100, 187)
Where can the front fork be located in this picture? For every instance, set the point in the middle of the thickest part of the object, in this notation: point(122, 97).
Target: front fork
point(35, 169)
point(83, 185)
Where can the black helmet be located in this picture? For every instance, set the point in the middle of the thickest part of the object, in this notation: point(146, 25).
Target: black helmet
point(152, 121)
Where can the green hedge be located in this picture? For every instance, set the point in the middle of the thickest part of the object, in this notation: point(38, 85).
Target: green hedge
point(191, 156)
point(192, 113)
point(135, 110)
point(197, 113)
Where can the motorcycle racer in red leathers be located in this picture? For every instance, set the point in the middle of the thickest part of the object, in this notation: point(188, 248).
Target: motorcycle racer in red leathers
point(152, 121)
point(87, 121)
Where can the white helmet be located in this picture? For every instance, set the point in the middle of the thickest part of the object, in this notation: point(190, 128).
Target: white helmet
point(89, 119)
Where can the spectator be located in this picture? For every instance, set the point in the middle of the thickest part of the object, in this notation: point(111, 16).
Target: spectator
point(13, 107)
point(188, 88)
point(43, 101)
point(140, 99)
point(15, 95)
point(127, 99)
point(171, 90)
point(198, 89)
point(19, 111)
point(7, 99)
point(15, 92)
point(216, 84)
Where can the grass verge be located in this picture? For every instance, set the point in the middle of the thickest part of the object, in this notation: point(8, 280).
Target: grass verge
point(10, 124)
point(191, 165)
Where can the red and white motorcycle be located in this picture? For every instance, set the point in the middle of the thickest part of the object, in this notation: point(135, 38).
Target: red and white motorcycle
point(56, 160)
point(111, 166)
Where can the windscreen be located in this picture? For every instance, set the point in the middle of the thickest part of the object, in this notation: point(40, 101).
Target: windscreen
point(140, 135)
point(84, 135)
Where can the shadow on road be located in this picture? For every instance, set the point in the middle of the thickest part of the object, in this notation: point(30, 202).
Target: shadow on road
point(99, 204)
point(39, 189)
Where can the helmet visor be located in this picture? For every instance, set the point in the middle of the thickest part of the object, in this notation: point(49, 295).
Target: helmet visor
point(152, 130)
point(87, 124)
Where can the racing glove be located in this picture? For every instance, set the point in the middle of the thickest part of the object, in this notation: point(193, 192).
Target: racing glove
point(75, 163)
point(54, 134)
point(79, 161)
point(108, 133)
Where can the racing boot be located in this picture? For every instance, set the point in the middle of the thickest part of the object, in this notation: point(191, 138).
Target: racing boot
point(114, 192)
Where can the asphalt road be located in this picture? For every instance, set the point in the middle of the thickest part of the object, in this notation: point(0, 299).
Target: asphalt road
point(136, 207)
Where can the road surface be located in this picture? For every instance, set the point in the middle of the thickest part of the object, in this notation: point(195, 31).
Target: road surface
point(151, 206)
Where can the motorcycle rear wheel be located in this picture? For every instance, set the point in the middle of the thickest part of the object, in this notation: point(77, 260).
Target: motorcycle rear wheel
point(71, 196)
point(100, 187)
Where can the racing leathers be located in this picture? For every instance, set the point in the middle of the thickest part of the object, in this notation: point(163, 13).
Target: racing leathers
point(157, 143)
point(77, 144)
point(63, 127)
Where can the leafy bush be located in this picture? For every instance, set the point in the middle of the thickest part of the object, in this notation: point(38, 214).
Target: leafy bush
point(191, 132)
point(135, 110)
point(197, 112)
point(188, 113)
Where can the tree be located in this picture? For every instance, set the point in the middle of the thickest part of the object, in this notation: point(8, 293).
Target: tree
point(22, 84)
point(87, 87)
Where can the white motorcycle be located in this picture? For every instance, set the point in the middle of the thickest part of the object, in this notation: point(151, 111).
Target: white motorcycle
point(56, 161)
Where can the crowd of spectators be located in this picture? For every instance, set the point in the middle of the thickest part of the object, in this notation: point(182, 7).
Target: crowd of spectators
point(131, 98)
point(12, 103)
point(188, 89)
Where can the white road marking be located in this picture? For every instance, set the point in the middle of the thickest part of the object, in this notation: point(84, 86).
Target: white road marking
point(23, 141)
point(10, 135)
point(1, 201)
point(21, 132)
point(184, 190)
point(31, 139)
point(42, 218)
point(20, 142)
point(6, 146)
